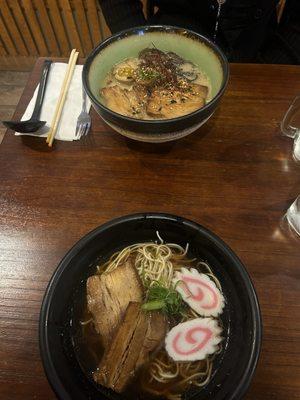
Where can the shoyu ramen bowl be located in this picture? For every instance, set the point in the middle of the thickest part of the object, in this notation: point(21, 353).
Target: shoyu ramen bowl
point(187, 44)
point(65, 296)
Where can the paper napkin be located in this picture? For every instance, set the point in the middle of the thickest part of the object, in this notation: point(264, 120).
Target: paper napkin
point(72, 107)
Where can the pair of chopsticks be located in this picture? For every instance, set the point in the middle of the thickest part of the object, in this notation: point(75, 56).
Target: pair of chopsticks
point(62, 96)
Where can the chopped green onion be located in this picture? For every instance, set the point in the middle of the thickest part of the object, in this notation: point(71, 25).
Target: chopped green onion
point(166, 299)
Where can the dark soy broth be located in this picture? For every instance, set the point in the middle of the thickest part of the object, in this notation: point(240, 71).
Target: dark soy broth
point(89, 351)
point(85, 339)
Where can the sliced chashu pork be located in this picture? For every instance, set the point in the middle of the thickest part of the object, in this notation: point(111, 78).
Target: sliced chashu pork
point(108, 296)
point(165, 103)
point(124, 101)
point(139, 334)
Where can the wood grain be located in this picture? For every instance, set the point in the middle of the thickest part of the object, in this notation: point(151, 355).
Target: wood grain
point(94, 20)
point(3, 51)
point(21, 23)
point(57, 22)
point(104, 27)
point(236, 176)
point(10, 80)
point(17, 63)
point(12, 28)
point(35, 27)
point(10, 95)
point(83, 25)
point(46, 27)
point(70, 25)
point(6, 41)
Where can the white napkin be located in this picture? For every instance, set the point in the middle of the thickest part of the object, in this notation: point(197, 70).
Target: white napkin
point(72, 107)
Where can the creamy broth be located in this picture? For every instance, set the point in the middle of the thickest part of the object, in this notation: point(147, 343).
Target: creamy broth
point(156, 85)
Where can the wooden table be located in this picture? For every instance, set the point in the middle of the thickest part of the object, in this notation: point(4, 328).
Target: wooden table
point(235, 176)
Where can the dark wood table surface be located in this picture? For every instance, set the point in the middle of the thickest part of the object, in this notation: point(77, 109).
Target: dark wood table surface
point(236, 176)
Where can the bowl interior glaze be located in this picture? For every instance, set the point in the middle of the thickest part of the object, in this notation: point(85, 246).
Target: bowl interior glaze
point(191, 47)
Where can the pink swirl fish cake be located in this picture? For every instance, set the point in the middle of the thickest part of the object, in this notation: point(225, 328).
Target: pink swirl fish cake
point(193, 340)
point(199, 292)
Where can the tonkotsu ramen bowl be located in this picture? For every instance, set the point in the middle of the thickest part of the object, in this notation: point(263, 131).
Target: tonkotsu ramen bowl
point(189, 45)
point(233, 367)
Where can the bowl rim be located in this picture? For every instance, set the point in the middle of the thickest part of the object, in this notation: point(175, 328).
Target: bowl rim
point(45, 352)
point(148, 28)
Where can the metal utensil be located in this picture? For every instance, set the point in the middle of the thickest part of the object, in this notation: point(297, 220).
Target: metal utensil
point(84, 120)
point(33, 124)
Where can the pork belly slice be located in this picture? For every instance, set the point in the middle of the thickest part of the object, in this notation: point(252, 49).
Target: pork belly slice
point(124, 101)
point(165, 103)
point(138, 335)
point(108, 296)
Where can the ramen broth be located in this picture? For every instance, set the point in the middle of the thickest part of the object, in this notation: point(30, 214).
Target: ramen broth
point(89, 353)
point(156, 85)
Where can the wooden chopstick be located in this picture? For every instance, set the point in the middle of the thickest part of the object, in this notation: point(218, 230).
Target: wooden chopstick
point(60, 101)
point(62, 96)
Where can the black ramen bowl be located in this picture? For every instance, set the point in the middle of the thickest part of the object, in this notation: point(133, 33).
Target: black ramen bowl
point(233, 368)
point(189, 45)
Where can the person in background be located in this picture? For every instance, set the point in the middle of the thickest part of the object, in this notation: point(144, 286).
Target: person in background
point(265, 31)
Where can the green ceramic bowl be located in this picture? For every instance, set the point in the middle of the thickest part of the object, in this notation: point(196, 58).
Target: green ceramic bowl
point(187, 44)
